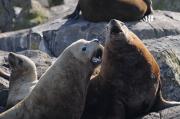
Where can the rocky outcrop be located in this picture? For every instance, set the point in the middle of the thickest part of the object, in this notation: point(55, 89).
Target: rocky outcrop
point(170, 113)
point(21, 14)
point(6, 15)
point(167, 52)
point(42, 60)
point(57, 34)
point(173, 5)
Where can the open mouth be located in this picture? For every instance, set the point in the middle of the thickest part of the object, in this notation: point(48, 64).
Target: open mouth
point(97, 57)
point(115, 30)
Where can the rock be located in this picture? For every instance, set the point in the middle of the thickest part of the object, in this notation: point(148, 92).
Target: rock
point(44, 3)
point(41, 59)
point(24, 4)
point(31, 16)
point(169, 113)
point(55, 2)
point(6, 15)
point(50, 3)
point(21, 14)
point(167, 52)
point(58, 34)
point(173, 5)
point(153, 115)
point(65, 32)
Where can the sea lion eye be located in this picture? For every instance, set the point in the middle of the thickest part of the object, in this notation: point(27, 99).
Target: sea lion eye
point(83, 48)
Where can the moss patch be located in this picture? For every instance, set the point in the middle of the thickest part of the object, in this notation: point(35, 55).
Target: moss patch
point(30, 19)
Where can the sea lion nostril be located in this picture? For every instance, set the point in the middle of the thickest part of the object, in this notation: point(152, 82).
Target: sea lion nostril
point(113, 22)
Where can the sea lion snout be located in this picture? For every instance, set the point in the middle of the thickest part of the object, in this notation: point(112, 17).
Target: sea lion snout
point(11, 58)
point(115, 26)
point(11, 55)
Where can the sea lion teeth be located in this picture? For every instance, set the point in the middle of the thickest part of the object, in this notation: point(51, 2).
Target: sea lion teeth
point(96, 60)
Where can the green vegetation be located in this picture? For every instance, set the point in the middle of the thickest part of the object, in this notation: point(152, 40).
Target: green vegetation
point(30, 19)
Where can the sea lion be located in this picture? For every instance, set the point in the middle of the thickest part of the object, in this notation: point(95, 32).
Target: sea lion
point(22, 79)
point(105, 10)
point(61, 90)
point(128, 84)
point(4, 75)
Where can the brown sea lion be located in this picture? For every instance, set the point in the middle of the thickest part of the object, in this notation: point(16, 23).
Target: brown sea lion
point(105, 10)
point(22, 80)
point(61, 91)
point(128, 84)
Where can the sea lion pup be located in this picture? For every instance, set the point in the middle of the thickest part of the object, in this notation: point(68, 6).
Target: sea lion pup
point(4, 75)
point(23, 78)
point(61, 90)
point(105, 10)
point(128, 84)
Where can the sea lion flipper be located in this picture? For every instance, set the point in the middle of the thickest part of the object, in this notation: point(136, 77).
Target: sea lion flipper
point(148, 17)
point(149, 6)
point(75, 14)
point(161, 103)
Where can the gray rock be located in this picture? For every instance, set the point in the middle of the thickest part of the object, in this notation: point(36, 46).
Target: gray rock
point(6, 15)
point(41, 59)
point(169, 113)
point(166, 50)
point(58, 34)
point(173, 5)
point(153, 115)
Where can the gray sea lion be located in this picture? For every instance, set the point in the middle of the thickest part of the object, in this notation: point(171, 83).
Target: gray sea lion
point(61, 91)
point(22, 79)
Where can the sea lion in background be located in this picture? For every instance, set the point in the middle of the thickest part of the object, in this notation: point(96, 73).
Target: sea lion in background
point(128, 84)
point(4, 75)
point(23, 78)
point(105, 10)
point(61, 90)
